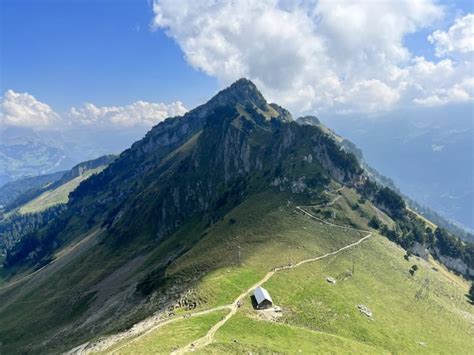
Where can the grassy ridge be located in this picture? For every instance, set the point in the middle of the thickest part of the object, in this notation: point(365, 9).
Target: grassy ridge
point(60, 195)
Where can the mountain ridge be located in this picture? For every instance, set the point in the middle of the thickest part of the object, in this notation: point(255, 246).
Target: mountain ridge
point(145, 233)
point(375, 175)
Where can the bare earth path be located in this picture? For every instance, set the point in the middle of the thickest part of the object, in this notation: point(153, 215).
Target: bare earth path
point(209, 337)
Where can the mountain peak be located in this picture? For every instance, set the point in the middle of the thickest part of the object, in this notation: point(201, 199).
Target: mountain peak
point(242, 91)
point(243, 83)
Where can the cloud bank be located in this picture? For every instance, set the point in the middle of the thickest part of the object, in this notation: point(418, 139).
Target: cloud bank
point(457, 39)
point(24, 110)
point(326, 55)
point(139, 113)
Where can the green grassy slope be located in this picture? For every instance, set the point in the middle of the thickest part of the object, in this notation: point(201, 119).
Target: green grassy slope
point(269, 233)
point(57, 196)
point(424, 313)
point(171, 336)
point(268, 229)
point(407, 311)
point(247, 334)
point(317, 316)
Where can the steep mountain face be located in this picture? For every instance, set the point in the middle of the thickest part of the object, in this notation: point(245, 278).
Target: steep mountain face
point(215, 148)
point(136, 237)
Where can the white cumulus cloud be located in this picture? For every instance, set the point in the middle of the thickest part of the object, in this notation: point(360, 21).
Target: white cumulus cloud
point(459, 92)
point(459, 38)
point(337, 56)
point(24, 110)
point(139, 113)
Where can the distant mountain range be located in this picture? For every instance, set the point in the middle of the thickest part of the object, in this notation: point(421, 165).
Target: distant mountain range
point(26, 152)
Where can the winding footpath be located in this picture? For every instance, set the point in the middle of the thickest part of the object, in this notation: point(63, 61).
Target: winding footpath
point(234, 306)
point(209, 337)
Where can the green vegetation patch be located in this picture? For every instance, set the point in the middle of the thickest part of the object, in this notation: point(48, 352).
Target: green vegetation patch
point(267, 232)
point(242, 335)
point(60, 195)
point(420, 313)
point(169, 337)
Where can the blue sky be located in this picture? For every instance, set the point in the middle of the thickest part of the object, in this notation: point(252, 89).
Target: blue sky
point(69, 52)
point(328, 57)
point(417, 43)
